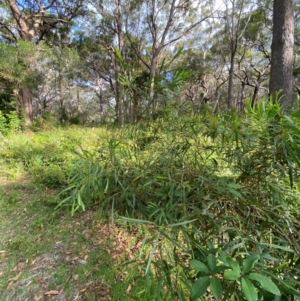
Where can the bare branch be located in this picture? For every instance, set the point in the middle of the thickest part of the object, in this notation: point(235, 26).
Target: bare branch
point(133, 46)
point(11, 38)
point(186, 31)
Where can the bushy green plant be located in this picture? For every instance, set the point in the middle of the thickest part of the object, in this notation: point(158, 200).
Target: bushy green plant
point(87, 183)
point(9, 122)
point(3, 124)
point(227, 178)
point(50, 176)
point(14, 122)
point(251, 276)
point(46, 121)
point(12, 197)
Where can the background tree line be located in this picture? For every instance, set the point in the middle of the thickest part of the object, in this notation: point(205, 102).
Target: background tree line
point(126, 60)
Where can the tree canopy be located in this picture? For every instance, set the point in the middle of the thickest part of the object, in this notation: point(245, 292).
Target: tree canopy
point(125, 60)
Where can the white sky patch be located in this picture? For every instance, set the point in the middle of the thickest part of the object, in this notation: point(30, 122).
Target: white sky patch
point(4, 14)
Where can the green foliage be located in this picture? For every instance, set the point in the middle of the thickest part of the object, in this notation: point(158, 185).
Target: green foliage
point(38, 152)
point(9, 122)
point(232, 278)
point(45, 122)
point(136, 85)
point(14, 122)
point(88, 183)
point(7, 99)
point(218, 191)
point(15, 64)
point(50, 176)
point(3, 124)
point(13, 197)
point(255, 25)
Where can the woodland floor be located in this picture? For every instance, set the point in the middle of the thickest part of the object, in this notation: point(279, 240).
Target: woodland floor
point(49, 255)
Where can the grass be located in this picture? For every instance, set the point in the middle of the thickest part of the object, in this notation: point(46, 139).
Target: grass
point(43, 251)
point(145, 200)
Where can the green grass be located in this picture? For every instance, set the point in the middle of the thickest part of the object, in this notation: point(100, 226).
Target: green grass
point(43, 250)
point(145, 200)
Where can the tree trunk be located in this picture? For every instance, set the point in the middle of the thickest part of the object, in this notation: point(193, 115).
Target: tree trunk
point(254, 96)
point(120, 110)
point(230, 81)
point(281, 77)
point(25, 96)
point(153, 70)
point(119, 102)
point(29, 17)
point(25, 99)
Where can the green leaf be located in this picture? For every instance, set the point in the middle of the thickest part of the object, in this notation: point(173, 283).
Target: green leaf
point(233, 264)
point(182, 223)
point(266, 283)
point(211, 260)
point(296, 114)
point(216, 287)
point(210, 246)
point(199, 266)
point(231, 274)
point(234, 192)
point(119, 57)
point(248, 290)
point(249, 262)
point(220, 268)
point(137, 221)
point(199, 287)
point(289, 124)
point(181, 296)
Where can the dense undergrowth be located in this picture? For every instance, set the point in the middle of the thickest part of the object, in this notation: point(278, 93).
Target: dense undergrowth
point(218, 195)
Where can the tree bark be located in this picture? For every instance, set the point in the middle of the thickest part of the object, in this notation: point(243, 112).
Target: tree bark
point(281, 77)
point(29, 22)
point(153, 71)
point(230, 80)
point(120, 110)
point(26, 101)
point(25, 96)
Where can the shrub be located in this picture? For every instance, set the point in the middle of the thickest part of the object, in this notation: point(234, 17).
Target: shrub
point(14, 122)
point(9, 122)
point(45, 122)
point(3, 124)
point(50, 176)
point(227, 179)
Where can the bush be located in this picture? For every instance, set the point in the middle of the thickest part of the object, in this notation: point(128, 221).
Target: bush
point(49, 176)
point(3, 124)
point(213, 190)
point(9, 122)
point(45, 122)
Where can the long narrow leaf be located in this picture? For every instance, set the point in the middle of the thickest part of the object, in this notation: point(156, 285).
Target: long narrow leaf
point(248, 289)
point(265, 282)
point(151, 254)
point(137, 221)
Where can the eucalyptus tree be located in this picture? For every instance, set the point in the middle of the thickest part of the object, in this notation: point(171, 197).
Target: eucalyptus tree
point(131, 37)
point(32, 21)
point(253, 57)
point(296, 71)
point(196, 58)
point(232, 14)
point(162, 24)
point(95, 67)
point(103, 44)
point(58, 89)
point(282, 51)
point(18, 69)
point(240, 43)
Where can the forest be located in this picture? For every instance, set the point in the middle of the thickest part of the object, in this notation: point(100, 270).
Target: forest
point(149, 150)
